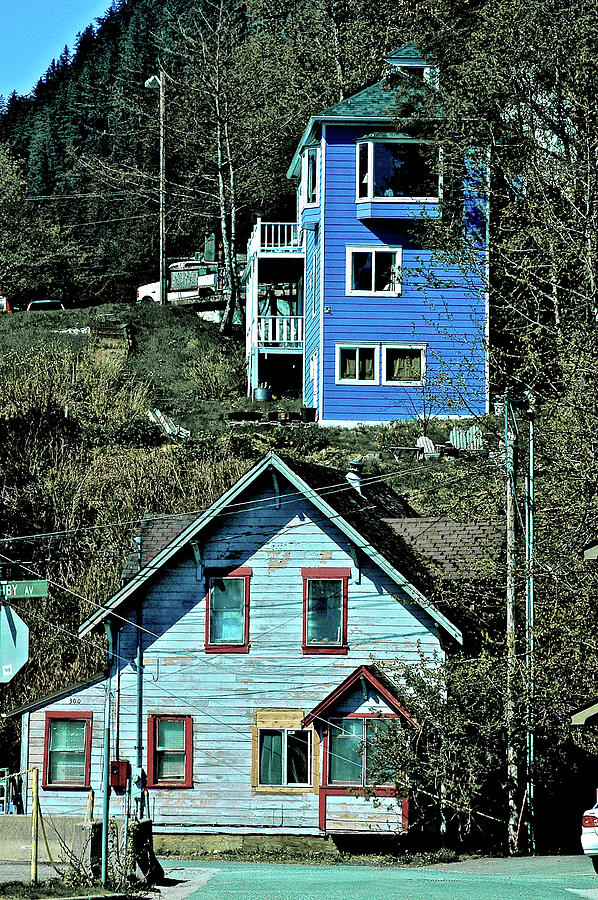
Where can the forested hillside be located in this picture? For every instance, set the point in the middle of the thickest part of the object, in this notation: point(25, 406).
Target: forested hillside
point(79, 164)
point(518, 87)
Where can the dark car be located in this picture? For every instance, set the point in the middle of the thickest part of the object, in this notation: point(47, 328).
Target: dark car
point(44, 305)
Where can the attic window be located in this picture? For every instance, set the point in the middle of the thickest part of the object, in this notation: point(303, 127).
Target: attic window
point(227, 613)
point(325, 610)
point(397, 170)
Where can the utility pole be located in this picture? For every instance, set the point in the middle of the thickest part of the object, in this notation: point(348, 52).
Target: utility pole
point(529, 627)
point(156, 82)
point(510, 464)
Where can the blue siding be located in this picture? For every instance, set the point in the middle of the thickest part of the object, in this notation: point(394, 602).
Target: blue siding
point(223, 692)
point(439, 305)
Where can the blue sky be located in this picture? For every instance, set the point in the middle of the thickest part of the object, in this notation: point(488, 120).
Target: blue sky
point(33, 32)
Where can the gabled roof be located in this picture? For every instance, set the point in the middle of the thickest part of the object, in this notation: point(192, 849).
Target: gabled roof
point(457, 550)
point(371, 676)
point(408, 54)
point(358, 516)
point(376, 101)
point(53, 698)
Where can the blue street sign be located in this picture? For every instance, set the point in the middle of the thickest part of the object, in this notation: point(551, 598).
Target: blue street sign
point(14, 644)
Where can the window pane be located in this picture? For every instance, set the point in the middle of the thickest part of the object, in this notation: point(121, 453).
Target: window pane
point(345, 750)
point(170, 766)
point(298, 747)
point(361, 271)
point(386, 274)
point(171, 735)
point(270, 752)
point(362, 172)
point(348, 363)
point(404, 170)
point(311, 175)
point(403, 364)
point(366, 364)
point(227, 611)
point(67, 766)
point(67, 734)
point(324, 611)
point(374, 728)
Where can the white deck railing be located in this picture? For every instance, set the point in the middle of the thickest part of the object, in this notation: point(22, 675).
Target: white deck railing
point(280, 331)
point(274, 237)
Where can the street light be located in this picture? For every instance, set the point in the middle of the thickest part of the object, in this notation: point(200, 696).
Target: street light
point(156, 83)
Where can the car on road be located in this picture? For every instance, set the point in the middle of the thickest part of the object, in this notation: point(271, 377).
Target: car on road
point(44, 305)
point(589, 834)
point(6, 305)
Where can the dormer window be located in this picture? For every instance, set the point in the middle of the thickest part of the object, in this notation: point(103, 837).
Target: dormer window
point(396, 169)
point(310, 177)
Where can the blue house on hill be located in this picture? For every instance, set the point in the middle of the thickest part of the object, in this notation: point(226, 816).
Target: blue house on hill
point(347, 301)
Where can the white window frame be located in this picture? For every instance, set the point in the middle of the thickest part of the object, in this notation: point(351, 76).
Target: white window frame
point(310, 754)
point(314, 276)
point(357, 345)
point(304, 176)
point(403, 345)
point(371, 248)
point(369, 198)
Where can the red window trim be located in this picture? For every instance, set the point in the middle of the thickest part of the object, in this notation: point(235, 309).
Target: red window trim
point(345, 790)
point(242, 572)
point(320, 574)
point(348, 786)
point(67, 785)
point(152, 780)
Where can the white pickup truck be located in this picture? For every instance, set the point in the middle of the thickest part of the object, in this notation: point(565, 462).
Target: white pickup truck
point(188, 282)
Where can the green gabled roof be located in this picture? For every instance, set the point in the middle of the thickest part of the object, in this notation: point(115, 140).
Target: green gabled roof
point(376, 101)
point(407, 53)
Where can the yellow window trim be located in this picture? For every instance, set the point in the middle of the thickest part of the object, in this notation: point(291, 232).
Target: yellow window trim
point(283, 718)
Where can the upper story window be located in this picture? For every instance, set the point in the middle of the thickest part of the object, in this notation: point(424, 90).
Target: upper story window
point(310, 178)
point(67, 750)
point(227, 612)
point(169, 751)
point(397, 170)
point(373, 270)
point(325, 610)
point(350, 748)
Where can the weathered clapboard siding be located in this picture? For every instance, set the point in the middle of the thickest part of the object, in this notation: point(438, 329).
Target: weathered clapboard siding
point(223, 692)
point(439, 305)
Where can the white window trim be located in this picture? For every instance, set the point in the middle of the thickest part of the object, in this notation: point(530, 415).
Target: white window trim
point(404, 345)
point(370, 193)
point(314, 278)
point(310, 753)
point(304, 170)
point(357, 345)
point(371, 248)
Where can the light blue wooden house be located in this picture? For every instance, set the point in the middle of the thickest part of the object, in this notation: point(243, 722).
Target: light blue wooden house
point(248, 671)
point(376, 328)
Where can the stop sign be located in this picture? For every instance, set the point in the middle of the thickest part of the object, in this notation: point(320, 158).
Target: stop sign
point(14, 643)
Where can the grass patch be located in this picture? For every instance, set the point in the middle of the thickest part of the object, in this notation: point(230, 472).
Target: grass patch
point(282, 856)
point(54, 887)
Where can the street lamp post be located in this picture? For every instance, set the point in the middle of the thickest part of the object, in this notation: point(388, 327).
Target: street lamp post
point(156, 82)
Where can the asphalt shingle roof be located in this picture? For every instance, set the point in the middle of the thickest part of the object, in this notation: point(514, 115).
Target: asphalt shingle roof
point(372, 102)
point(456, 550)
point(415, 546)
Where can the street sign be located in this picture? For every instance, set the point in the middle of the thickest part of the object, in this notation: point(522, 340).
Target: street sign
point(10, 589)
point(14, 644)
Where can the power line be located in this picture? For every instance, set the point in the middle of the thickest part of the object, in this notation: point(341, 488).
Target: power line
point(250, 505)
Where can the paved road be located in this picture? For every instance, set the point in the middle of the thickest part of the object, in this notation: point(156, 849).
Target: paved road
point(542, 878)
